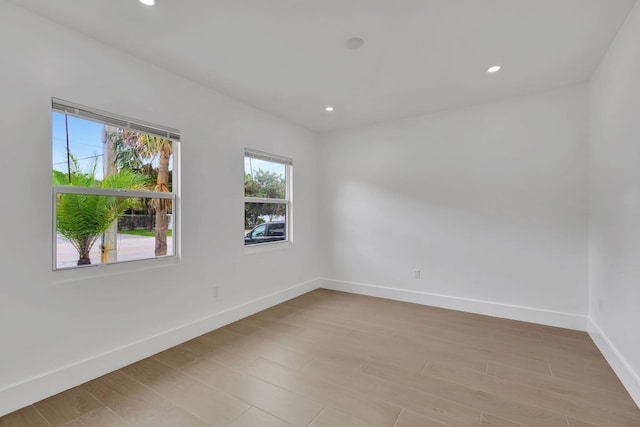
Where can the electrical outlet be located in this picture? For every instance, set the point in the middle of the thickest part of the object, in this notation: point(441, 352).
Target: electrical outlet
point(214, 292)
point(416, 274)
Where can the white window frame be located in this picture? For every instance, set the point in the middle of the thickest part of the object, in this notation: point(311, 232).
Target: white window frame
point(89, 113)
point(287, 201)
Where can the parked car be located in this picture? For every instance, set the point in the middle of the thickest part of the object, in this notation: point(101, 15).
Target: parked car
point(266, 232)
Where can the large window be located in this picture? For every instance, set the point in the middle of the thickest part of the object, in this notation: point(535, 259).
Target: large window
point(113, 188)
point(267, 198)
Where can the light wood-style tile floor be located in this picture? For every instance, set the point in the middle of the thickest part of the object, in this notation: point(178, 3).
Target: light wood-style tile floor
point(331, 359)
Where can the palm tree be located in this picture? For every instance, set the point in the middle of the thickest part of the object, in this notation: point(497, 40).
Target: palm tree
point(133, 147)
point(83, 218)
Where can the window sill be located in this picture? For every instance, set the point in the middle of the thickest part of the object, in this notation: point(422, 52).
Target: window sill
point(267, 247)
point(67, 275)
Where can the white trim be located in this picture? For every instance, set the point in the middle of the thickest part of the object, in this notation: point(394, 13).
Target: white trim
point(287, 201)
point(289, 208)
point(265, 200)
point(70, 189)
point(629, 378)
point(70, 108)
point(96, 115)
point(16, 396)
point(81, 273)
point(507, 311)
point(19, 395)
point(263, 155)
point(267, 247)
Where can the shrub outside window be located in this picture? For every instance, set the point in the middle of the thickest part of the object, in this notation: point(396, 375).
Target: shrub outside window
point(113, 187)
point(267, 197)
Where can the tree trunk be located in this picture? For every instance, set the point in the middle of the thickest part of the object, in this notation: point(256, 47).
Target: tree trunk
point(150, 216)
point(162, 205)
point(161, 232)
point(84, 247)
point(109, 250)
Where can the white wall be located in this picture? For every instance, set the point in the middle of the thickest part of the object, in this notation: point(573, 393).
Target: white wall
point(490, 203)
point(614, 229)
point(56, 331)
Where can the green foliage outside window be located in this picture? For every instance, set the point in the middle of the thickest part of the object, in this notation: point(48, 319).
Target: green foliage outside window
point(263, 184)
point(83, 218)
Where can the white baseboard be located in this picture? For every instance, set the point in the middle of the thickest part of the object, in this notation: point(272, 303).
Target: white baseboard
point(629, 378)
point(34, 389)
point(514, 312)
point(31, 390)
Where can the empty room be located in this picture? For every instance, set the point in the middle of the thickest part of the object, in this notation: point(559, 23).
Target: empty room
point(335, 213)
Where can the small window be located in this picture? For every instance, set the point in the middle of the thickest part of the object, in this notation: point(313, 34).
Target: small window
point(267, 197)
point(113, 188)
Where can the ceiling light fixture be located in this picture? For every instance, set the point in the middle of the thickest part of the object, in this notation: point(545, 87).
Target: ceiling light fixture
point(494, 69)
point(328, 108)
point(354, 43)
point(148, 2)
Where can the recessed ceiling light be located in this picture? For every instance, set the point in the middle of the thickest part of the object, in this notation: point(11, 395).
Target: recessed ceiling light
point(494, 69)
point(354, 43)
point(148, 2)
point(328, 108)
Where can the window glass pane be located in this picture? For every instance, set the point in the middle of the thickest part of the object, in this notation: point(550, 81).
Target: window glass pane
point(259, 231)
point(96, 229)
point(264, 223)
point(92, 154)
point(264, 179)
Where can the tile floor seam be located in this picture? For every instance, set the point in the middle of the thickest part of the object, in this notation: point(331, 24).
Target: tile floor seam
point(150, 417)
point(128, 423)
point(248, 403)
point(289, 422)
point(317, 416)
point(560, 415)
point(93, 395)
point(535, 405)
point(239, 415)
point(143, 385)
point(395, 423)
point(572, 382)
point(304, 365)
point(249, 374)
point(344, 388)
point(200, 381)
point(203, 383)
point(83, 415)
point(42, 415)
point(430, 394)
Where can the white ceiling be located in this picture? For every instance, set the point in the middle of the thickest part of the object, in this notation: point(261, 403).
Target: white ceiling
point(288, 57)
